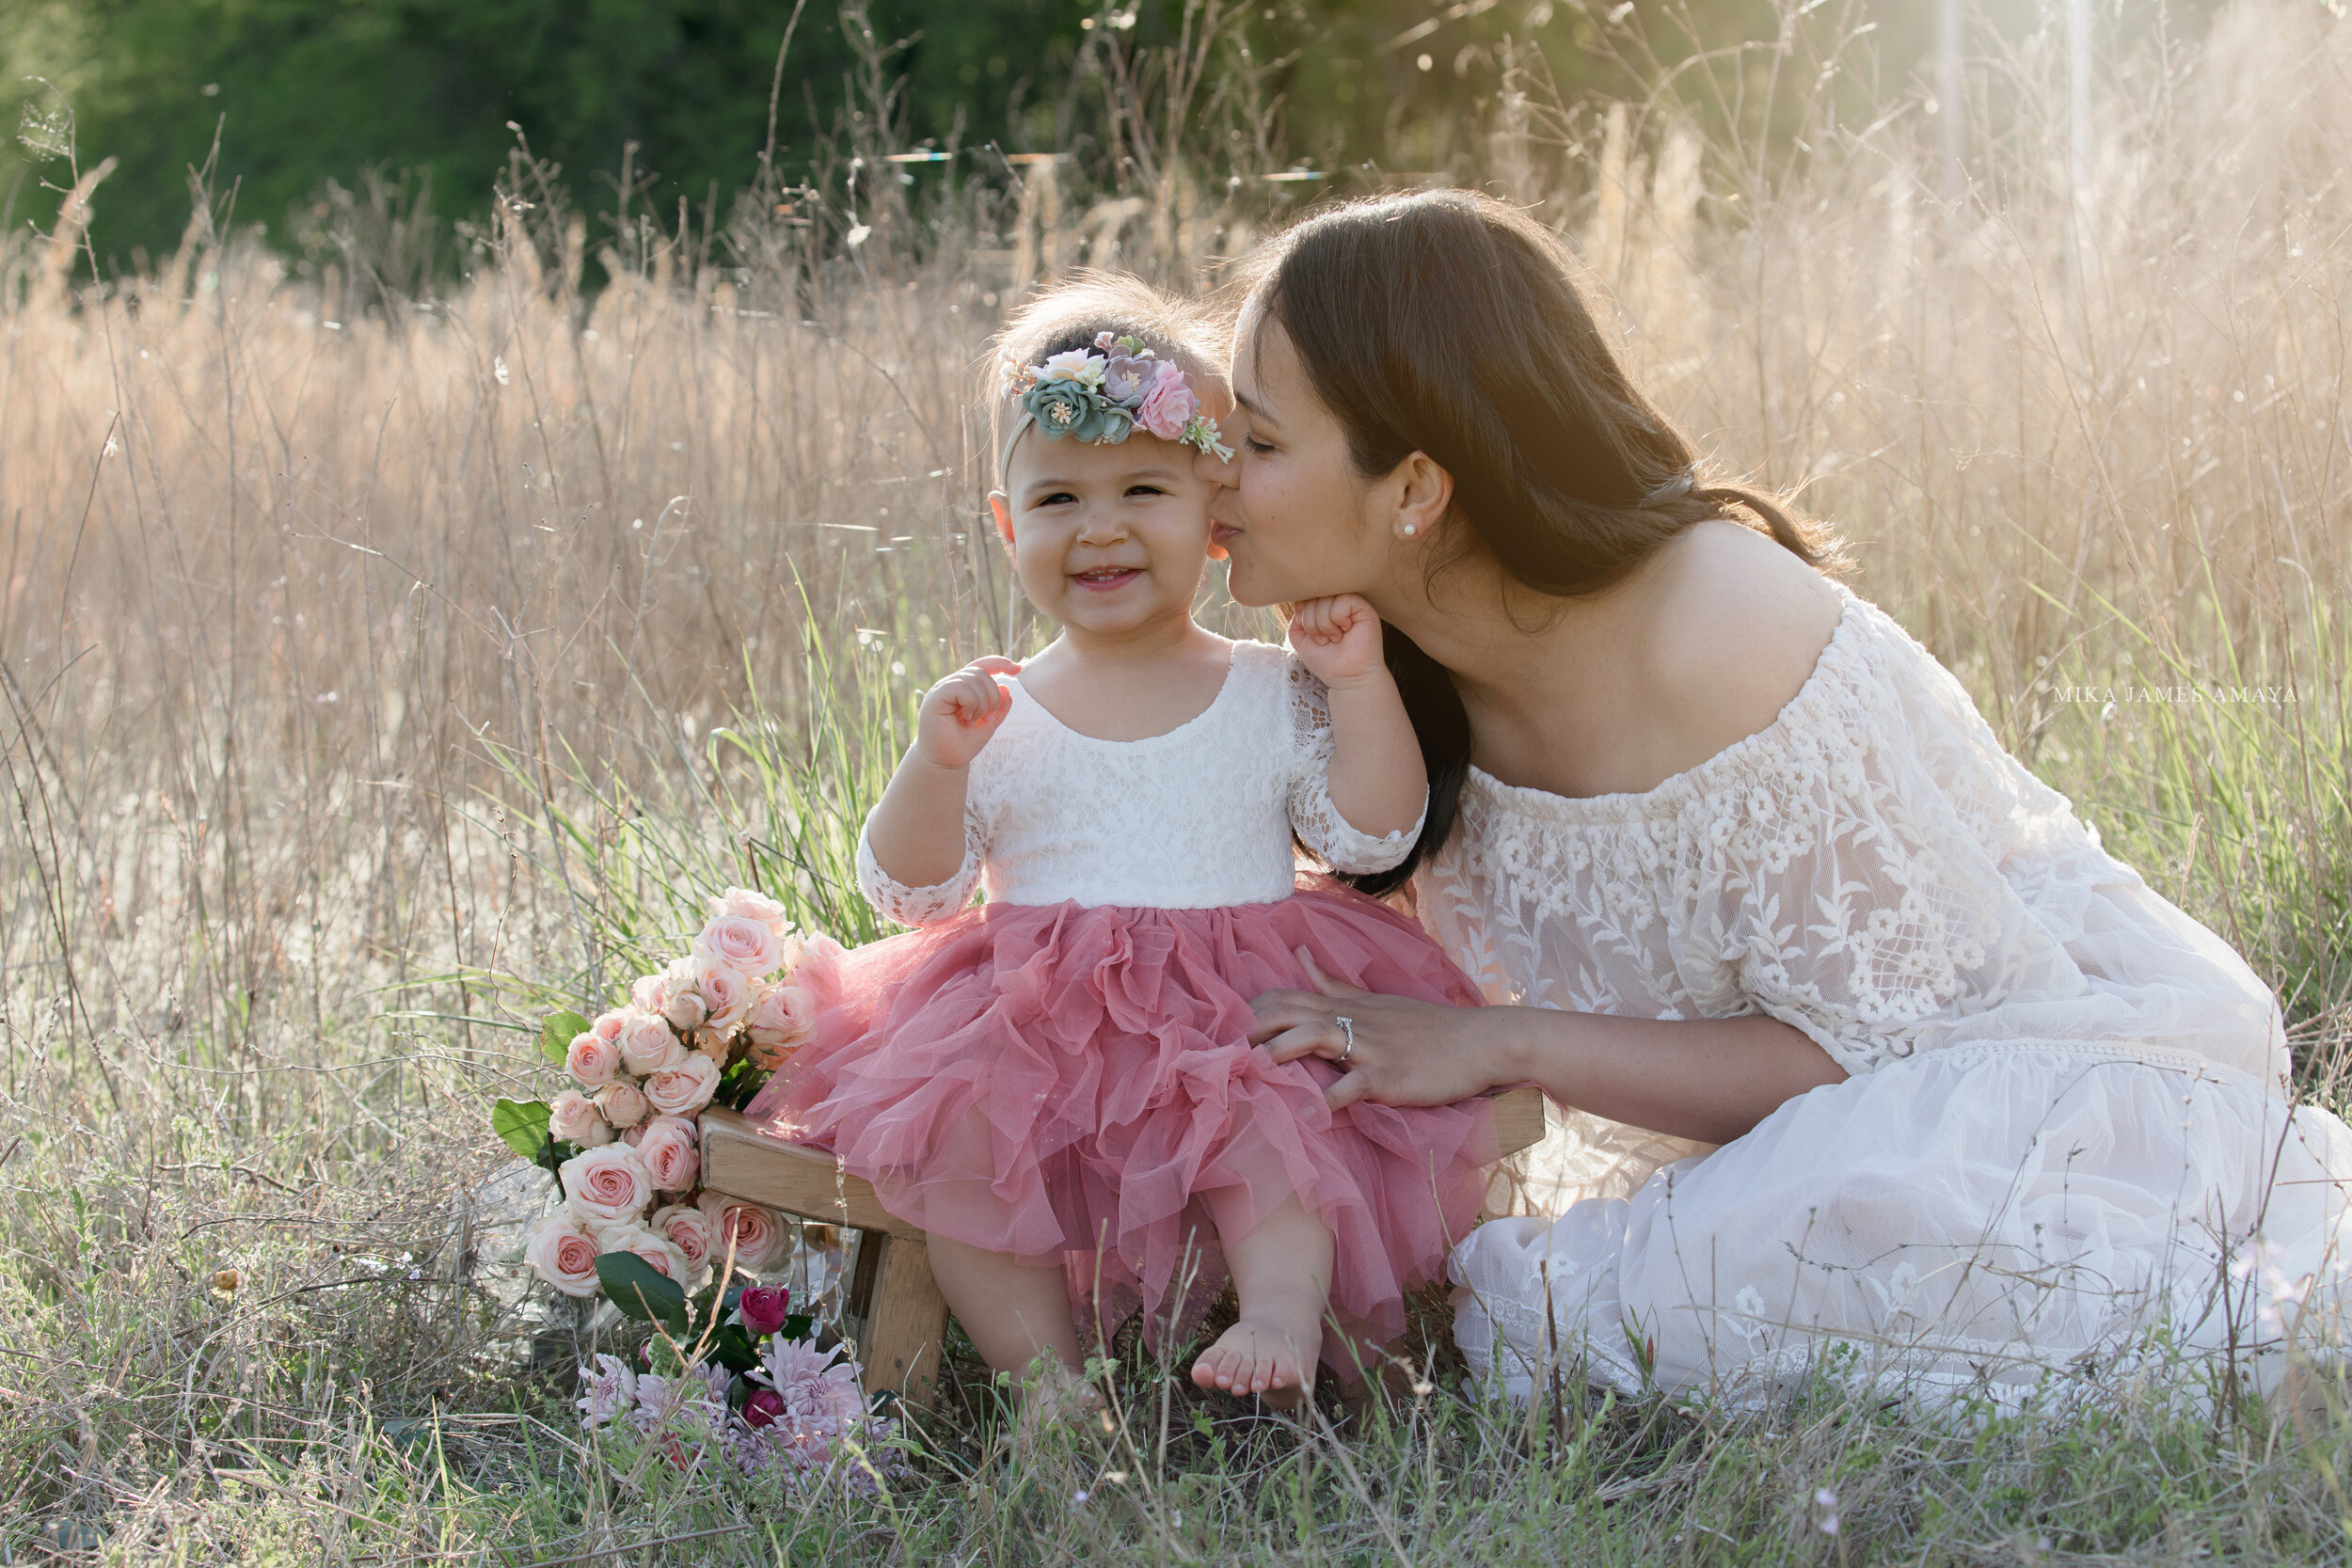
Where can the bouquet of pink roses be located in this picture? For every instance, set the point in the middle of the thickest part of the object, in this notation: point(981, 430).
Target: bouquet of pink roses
point(624, 1142)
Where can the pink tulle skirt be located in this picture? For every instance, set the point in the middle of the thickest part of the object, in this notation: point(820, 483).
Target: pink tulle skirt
point(1075, 1086)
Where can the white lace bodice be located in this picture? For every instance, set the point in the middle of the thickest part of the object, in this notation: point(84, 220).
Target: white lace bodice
point(1199, 817)
point(1872, 867)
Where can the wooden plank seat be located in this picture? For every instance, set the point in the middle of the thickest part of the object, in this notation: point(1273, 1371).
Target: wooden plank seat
point(906, 1317)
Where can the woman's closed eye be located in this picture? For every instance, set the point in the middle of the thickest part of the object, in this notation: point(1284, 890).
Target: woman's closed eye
point(1255, 447)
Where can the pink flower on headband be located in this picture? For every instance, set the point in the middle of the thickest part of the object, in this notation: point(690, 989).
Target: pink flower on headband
point(1168, 403)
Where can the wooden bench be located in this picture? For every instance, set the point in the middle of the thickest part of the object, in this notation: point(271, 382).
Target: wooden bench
point(906, 1317)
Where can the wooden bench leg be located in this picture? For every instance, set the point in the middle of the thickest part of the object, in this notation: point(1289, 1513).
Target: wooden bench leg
point(906, 1318)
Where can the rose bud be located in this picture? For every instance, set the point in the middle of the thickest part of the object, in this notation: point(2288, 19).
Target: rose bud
point(623, 1103)
point(762, 1408)
point(686, 1010)
point(764, 1307)
point(647, 1046)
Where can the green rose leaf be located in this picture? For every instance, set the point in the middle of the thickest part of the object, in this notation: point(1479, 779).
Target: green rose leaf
point(641, 1291)
point(557, 1032)
point(521, 1126)
point(733, 1348)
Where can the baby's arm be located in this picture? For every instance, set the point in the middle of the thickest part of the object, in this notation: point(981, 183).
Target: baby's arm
point(917, 839)
point(1373, 779)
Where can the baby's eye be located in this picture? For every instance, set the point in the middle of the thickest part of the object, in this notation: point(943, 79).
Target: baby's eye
point(1146, 490)
point(1060, 497)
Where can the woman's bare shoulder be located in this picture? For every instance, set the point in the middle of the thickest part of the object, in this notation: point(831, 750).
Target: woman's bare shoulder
point(1736, 624)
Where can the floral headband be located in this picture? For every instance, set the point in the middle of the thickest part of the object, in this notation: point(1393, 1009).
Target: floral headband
point(1101, 395)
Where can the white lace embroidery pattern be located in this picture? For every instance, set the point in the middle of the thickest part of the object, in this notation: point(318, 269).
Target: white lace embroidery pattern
point(1199, 818)
point(1872, 867)
point(2064, 1093)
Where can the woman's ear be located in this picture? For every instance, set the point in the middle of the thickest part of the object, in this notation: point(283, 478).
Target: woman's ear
point(997, 504)
point(1423, 493)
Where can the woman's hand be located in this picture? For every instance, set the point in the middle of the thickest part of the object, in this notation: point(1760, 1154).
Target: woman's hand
point(1406, 1052)
point(1337, 639)
point(960, 713)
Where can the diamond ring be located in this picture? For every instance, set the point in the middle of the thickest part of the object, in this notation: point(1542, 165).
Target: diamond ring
point(1347, 1027)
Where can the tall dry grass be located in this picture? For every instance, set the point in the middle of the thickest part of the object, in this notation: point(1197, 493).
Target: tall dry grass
point(379, 666)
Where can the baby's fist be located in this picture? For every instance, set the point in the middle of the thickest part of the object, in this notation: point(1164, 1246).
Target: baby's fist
point(960, 713)
point(1337, 639)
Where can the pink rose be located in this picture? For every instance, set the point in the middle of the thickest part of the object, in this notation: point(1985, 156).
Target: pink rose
point(564, 1253)
point(621, 1102)
point(682, 1089)
point(764, 1308)
point(781, 1023)
point(752, 906)
point(659, 1251)
point(1169, 406)
point(671, 1150)
point(758, 1235)
point(649, 991)
point(727, 993)
point(741, 943)
point(606, 1186)
point(592, 1060)
point(572, 1119)
point(647, 1044)
point(687, 1228)
point(818, 965)
point(685, 1009)
point(608, 1024)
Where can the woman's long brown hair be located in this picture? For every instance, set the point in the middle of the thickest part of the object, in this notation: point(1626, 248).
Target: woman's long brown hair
point(1451, 323)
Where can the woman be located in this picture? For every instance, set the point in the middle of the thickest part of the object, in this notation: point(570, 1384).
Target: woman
point(1745, 868)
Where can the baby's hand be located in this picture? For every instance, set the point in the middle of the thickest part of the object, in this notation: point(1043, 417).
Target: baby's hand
point(1337, 639)
point(960, 713)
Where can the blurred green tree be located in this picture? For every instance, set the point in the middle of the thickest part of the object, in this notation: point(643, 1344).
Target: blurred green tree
point(301, 91)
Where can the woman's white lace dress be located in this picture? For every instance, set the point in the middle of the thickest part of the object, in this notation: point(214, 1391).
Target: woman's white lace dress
point(2064, 1139)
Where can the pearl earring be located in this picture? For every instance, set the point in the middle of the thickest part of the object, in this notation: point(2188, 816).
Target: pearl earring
point(1408, 530)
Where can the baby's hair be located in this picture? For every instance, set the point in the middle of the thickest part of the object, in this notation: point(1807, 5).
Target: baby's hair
point(1072, 313)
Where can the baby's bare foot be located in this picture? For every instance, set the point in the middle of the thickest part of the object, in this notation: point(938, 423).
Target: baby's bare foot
point(1257, 1356)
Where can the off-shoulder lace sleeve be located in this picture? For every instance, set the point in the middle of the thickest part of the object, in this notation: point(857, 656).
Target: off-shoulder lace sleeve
point(1851, 867)
point(921, 906)
point(1316, 820)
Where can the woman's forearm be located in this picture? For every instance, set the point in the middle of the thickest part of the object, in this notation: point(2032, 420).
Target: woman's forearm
point(1709, 1079)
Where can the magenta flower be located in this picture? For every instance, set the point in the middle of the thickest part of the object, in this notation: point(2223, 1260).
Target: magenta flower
point(764, 1308)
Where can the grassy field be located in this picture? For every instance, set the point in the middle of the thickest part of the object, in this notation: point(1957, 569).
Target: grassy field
point(382, 663)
